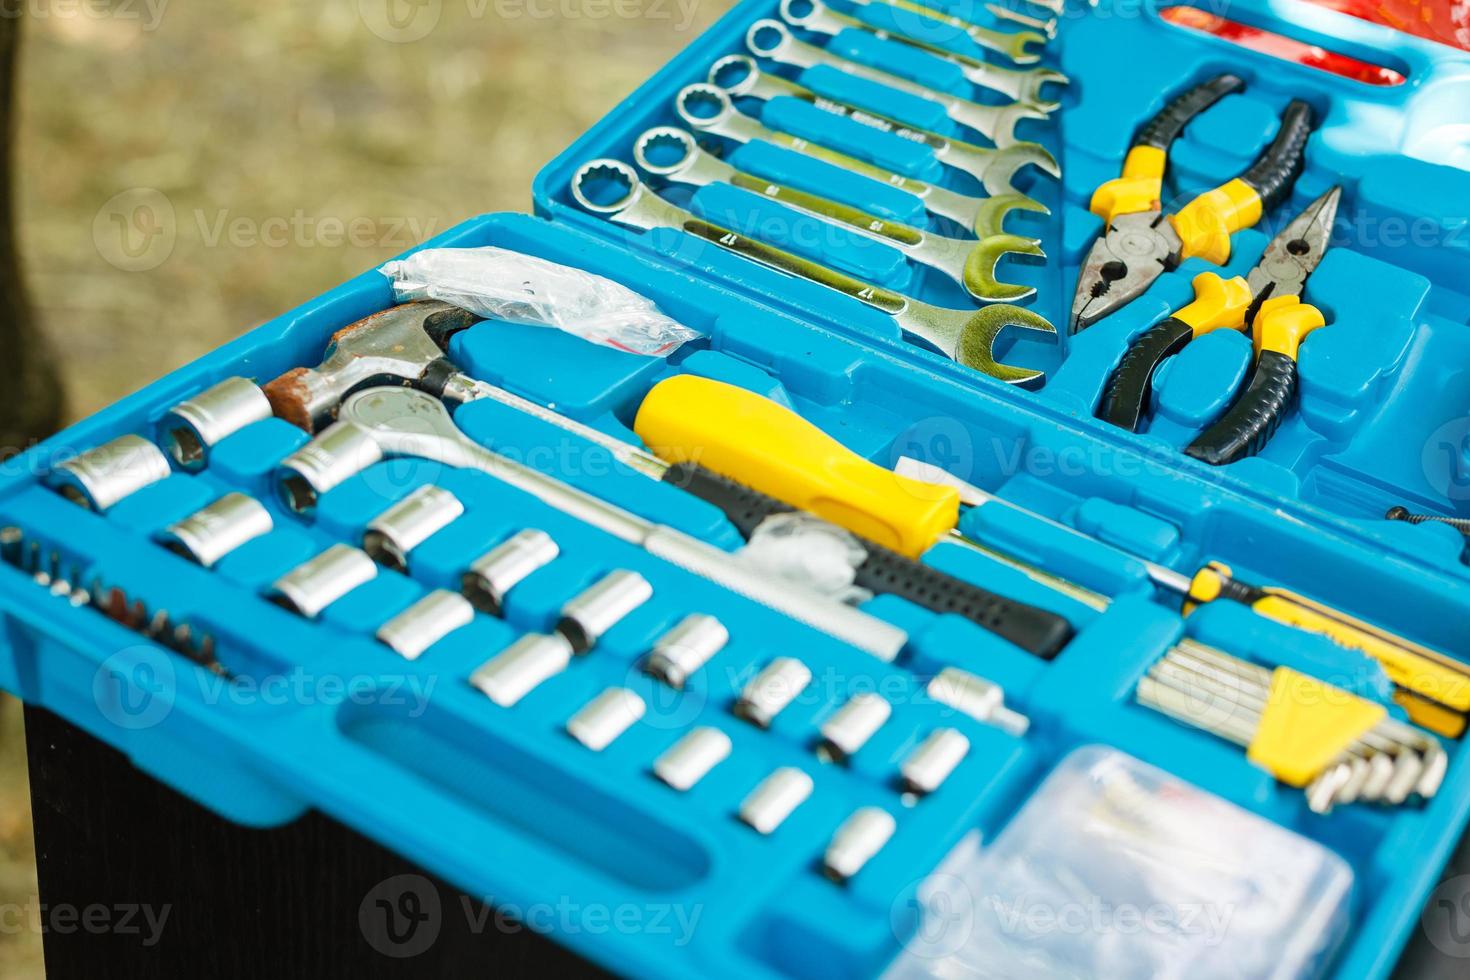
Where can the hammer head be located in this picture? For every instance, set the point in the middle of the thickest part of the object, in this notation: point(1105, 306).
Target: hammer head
point(401, 345)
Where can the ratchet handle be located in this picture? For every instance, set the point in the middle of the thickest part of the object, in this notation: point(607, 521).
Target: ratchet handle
point(1129, 389)
point(1249, 424)
point(1273, 173)
point(1037, 631)
point(1164, 128)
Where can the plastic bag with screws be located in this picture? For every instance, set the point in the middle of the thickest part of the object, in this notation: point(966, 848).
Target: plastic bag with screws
point(804, 548)
point(506, 285)
point(1116, 869)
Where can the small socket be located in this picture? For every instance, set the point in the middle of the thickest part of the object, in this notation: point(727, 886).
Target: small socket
point(857, 841)
point(314, 585)
point(100, 477)
point(339, 452)
point(395, 532)
point(770, 803)
point(594, 611)
point(849, 727)
point(522, 667)
point(683, 650)
point(193, 427)
point(605, 717)
point(770, 691)
point(688, 760)
point(210, 533)
point(502, 568)
point(425, 623)
point(932, 760)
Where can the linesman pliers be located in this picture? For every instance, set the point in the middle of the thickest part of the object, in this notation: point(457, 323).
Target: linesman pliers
point(1268, 302)
point(1140, 242)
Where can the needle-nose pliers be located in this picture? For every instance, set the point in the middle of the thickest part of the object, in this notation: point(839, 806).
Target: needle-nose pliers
point(1139, 242)
point(1268, 302)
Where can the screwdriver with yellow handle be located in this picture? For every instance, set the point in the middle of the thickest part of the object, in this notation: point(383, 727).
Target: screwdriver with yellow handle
point(766, 447)
point(853, 495)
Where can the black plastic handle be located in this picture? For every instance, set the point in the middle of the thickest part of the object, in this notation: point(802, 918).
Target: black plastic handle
point(1245, 429)
point(1130, 387)
point(1277, 168)
point(1037, 631)
point(1163, 128)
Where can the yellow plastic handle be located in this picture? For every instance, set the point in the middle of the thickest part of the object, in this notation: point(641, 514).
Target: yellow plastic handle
point(754, 441)
point(1218, 304)
point(1307, 725)
point(1283, 322)
point(1408, 670)
point(1205, 224)
point(1137, 190)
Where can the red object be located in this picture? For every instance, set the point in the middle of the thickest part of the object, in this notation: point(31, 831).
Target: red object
point(1281, 46)
point(1445, 21)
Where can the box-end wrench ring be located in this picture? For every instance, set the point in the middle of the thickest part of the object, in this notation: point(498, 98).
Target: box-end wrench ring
point(966, 336)
point(707, 109)
point(671, 153)
point(739, 75)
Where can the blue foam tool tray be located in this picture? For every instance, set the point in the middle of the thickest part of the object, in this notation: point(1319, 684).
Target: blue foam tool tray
point(317, 714)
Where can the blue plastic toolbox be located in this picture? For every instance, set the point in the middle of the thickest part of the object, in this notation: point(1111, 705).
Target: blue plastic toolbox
point(309, 713)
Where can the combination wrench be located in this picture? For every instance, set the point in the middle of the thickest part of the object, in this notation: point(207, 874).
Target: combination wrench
point(772, 39)
point(611, 188)
point(827, 21)
point(708, 109)
point(671, 153)
point(738, 75)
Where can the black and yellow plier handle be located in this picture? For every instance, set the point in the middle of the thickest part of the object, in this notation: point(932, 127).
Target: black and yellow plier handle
point(1268, 302)
point(1139, 242)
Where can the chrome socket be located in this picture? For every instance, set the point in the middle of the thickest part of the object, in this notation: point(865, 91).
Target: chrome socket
point(932, 760)
point(106, 474)
point(503, 567)
point(688, 760)
point(770, 691)
point(605, 717)
point(314, 585)
point(339, 452)
point(193, 427)
point(857, 841)
point(522, 667)
point(395, 532)
point(425, 623)
point(770, 803)
point(683, 650)
point(590, 614)
point(210, 533)
point(849, 727)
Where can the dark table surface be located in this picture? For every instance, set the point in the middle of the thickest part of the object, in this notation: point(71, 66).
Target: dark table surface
point(156, 885)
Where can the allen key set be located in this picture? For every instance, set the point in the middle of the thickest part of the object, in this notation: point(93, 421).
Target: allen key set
point(761, 542)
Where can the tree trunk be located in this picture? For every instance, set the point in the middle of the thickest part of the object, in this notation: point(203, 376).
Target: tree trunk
point(31, 399)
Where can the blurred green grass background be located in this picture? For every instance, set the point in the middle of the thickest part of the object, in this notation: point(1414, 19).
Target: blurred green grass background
point(295, 144)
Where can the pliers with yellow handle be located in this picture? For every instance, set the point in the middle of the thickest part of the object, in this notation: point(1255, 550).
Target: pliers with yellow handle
point(1139, 242)
point(1268, 302)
